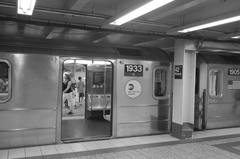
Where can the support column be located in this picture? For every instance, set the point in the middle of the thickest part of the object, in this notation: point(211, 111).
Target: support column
point(183, 89)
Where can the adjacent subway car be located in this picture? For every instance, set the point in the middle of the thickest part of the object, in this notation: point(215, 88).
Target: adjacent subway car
point(217, 90)
point(127, 92)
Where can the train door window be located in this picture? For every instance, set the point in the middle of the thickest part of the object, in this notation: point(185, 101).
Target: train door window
point(159, 83)
point(215, 80)
point(4, 80)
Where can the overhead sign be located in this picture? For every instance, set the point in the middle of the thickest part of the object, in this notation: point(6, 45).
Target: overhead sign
point(178, 72)
point(133, 70)
point(133, 89)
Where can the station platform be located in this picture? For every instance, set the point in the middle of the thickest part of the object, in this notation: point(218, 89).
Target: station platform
point(210, 144)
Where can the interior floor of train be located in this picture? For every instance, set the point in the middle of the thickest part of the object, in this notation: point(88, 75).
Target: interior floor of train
point(77, 127)
point(209, 144)
point(86, 128)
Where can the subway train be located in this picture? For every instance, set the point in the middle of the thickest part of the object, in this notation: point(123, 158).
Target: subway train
point(217, 100)
point(127, 92)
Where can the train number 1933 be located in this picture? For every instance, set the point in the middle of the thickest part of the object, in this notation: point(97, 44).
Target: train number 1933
point(234, 72)
point(133, 70)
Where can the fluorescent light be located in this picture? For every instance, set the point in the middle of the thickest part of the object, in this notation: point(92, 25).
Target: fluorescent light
point(235, 37)
point(101, 63)
point(92, 62)
point(141, 11)
point(26, 7)
point(86, 62)
point(69, 61)
point(211, 24)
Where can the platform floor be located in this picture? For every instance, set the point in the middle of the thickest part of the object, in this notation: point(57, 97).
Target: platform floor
point(211, 144)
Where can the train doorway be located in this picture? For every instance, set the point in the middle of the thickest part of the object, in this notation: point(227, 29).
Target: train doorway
point(87, 117)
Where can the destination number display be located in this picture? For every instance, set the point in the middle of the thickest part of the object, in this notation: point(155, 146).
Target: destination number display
point(234, 71)
point(133, 70)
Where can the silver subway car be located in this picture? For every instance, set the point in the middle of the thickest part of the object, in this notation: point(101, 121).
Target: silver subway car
point(217, 90)
point(126, 92)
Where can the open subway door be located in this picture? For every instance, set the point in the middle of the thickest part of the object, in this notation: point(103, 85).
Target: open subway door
point(91, 118)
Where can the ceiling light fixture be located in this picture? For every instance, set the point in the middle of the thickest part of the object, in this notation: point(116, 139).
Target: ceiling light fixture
point(152, 5)
point(235, 37)
point(26, 7)
point(211, 24)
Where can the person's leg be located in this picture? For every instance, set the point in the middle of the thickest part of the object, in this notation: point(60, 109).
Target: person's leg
point(70, 102)
point(79, 97)
point(73, 101)
point(64, 99)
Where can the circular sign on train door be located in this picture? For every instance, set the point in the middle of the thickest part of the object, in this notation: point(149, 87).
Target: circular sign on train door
point(133, 89)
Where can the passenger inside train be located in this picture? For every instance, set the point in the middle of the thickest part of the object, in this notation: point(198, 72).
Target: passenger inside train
point(3, 84)
point(3, 77)
point(80, 90)
point(3, 81)
point(67, 92)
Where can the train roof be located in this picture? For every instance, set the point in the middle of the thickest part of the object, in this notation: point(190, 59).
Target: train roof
point(72, 48)
point(221, 57)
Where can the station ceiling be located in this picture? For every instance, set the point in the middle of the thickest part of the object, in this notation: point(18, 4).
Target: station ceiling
point(88, 21)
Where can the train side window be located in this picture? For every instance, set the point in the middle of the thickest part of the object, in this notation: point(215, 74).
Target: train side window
point(215, 80)
point(159, 83)
point(4, 80)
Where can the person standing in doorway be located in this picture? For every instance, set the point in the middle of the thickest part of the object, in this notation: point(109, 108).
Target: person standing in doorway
point(67, 92)
point(80, 90)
